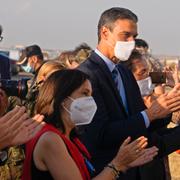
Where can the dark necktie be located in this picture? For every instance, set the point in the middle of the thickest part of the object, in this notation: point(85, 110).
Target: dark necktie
point(115, 76)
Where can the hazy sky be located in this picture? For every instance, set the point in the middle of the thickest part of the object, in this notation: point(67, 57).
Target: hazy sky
point(63, 24)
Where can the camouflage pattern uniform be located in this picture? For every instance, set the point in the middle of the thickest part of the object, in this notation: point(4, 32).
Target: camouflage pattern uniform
point(13, 101)
point(82, 55)
point(176, 117)
point(12, 168)
point(33, 90)
point(31, 98)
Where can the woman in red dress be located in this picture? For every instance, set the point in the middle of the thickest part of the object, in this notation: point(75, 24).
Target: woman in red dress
point(56, 152)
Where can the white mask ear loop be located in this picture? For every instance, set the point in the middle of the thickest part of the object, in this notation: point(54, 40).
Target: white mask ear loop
point(65, 107)
point(70, 98)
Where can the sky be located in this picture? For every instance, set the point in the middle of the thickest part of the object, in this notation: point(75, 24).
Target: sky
point(64, 24)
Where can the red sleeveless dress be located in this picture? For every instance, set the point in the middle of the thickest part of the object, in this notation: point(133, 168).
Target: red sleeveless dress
point(75, 148)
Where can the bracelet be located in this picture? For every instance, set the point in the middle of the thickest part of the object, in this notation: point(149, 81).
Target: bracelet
point(116, 172)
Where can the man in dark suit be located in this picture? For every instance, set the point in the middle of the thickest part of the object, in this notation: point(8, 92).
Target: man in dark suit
point(121, 111)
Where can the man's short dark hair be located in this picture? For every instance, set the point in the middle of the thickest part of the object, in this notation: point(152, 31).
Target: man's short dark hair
point(34, 50)
point(109, 16)
point(141, 43)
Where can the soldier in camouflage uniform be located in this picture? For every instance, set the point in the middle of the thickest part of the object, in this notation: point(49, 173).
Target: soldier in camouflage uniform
point(31, 61)
point(46, 69)
point(176, 118)
point(11, 162)
point(11, 158)
point(30, 100)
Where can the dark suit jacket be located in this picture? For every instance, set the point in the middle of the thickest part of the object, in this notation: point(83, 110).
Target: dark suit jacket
point(111, 124)
point(4, 67)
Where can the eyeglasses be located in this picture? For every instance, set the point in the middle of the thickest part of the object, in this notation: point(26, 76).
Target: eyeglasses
point(1, 38)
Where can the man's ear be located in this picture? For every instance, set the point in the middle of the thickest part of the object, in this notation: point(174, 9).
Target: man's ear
point(34, 59)
point(104, 32)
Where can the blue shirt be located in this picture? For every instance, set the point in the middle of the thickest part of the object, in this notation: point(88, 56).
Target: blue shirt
point(120, 87)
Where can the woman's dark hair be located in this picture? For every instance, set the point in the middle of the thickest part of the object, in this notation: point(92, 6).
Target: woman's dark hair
point(55, 89)
point(141, 43)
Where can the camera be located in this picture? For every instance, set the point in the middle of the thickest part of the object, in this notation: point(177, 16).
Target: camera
point(158, 77)
point(17, 88)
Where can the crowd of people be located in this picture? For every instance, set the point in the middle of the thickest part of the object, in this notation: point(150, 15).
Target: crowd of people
point(92, 114)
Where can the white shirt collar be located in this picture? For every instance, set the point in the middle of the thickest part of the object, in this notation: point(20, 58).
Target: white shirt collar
point(108, 62)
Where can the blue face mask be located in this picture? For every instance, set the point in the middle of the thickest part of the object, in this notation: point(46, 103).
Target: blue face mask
point(28, 69)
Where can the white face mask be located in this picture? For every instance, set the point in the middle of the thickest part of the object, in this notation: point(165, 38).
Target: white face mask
point(82, 110)
point(28, 68)
point(123, 49)
point(146, 87)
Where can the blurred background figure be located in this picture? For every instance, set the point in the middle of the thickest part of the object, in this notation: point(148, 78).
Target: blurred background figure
point(16, 128)
point(47, 69)
point(141, 70)
point(31, 59)
point(137, 64)
point(143, 47)
point(73, 58)
point(44, 72)
point(4, 62)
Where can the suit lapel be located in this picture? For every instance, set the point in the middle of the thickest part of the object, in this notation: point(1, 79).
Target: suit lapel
point(107, 74)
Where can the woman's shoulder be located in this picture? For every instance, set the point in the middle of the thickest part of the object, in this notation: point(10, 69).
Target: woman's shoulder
point(50, 141)
point(49, 146)
point(50, 138)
